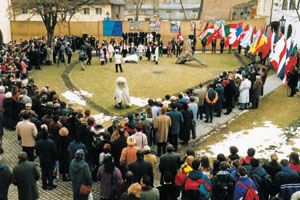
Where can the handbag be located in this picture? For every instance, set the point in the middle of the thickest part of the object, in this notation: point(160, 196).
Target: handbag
point(85, 189)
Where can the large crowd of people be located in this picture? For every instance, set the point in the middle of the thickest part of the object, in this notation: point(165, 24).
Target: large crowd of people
point(122, 156)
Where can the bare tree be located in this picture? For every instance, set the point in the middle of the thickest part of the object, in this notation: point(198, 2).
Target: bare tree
point(138, 7)
point(200, 9)
point(51, 11)
point(183, 10)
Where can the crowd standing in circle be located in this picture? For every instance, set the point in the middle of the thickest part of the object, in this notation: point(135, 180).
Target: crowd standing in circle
point(120, 156)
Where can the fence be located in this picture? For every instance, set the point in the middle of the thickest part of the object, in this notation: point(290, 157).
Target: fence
point(26, 30)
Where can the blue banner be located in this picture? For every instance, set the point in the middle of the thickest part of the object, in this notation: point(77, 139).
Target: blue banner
point(112, 28)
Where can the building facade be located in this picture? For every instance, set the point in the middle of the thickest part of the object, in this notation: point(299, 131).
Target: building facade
point(287, 12)
point(5, 31)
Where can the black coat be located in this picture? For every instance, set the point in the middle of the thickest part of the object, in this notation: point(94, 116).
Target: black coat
point(286, 177)
point(169, 162)
point(169, 191)
point(272, 168)
point(140, 168)
point(5, 177)
point(217, 191)
point(46, 150)
point(25, 175)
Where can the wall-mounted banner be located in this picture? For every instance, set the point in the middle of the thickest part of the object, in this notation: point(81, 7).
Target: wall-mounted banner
point(154, 26)
point(197, 25)
point(174, 26)
point(112, 28)
point(218, 23)
point(135, 25)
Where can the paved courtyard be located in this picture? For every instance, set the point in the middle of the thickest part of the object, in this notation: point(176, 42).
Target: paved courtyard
point(11, 146)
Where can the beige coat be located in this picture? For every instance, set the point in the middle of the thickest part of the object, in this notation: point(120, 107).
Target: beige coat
point(28, 132)
point(152, 159)
point(162, 123)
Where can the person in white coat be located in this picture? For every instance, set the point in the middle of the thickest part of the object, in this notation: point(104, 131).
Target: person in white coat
point(244, 89)
point(140, 50)
point(156, 54)
point(111, 51)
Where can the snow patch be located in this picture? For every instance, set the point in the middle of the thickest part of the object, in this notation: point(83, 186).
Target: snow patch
point(266, 140)
point(103, 117)
point(138, 101)
point(74, 97)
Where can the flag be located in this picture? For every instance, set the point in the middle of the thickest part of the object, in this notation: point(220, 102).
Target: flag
point(253, 33)
point(234, 34)
point(247, 39)
point(254, 41)
point(179, 36)
point(241, 36)
point(261, 41)
point(278, 57)
point(207, 32)
point(218, 34)
point(290, 64)
point(282, 64)
point(295, 49)
point(203, 33)
point(229, 28)
point(267, 46)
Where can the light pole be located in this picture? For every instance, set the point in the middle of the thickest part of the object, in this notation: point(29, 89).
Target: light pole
point(282, 24)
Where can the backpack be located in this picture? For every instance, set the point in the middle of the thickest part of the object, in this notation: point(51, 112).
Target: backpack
point(180, 178)
point(250, 192)
point(267, 182)
point(82, 54)
point(204, 189)
point(225, 188)
point(247, 166)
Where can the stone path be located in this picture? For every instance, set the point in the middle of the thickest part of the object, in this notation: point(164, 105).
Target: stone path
point(204, 129)
point(12, 147)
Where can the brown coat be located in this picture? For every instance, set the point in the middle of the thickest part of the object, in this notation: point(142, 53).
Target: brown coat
point(162, 124)
point(256, 90)
point(128, 155)
point(28, 132)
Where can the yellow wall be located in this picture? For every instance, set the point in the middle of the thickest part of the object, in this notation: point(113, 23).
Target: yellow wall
point(27, 30)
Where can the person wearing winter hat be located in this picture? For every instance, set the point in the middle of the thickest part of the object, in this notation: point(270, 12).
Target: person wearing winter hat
point(79, 174)
point(118, 61)
point(128, 154)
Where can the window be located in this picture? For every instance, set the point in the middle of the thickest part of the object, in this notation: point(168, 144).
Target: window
point(24, 11)
point(130, 19)
point(98, 11)
point(292, 5)
point(169, 11)
point(195, 10)
point(147, 19)
point(86, 11)
point(284, 5)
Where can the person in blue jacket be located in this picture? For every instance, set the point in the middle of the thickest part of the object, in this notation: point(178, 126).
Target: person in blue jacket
point(239, 190)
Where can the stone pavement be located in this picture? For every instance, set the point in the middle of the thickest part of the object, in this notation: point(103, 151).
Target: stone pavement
point(12, 147)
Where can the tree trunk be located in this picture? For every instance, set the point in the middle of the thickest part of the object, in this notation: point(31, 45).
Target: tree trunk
point(200, 9)
point(50, 36)
point(137, 9)
point(183, 10)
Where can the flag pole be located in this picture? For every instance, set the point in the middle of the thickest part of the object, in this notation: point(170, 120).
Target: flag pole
point(271, 12)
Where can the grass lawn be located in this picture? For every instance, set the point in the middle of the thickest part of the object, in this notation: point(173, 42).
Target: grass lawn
point(143, 83)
